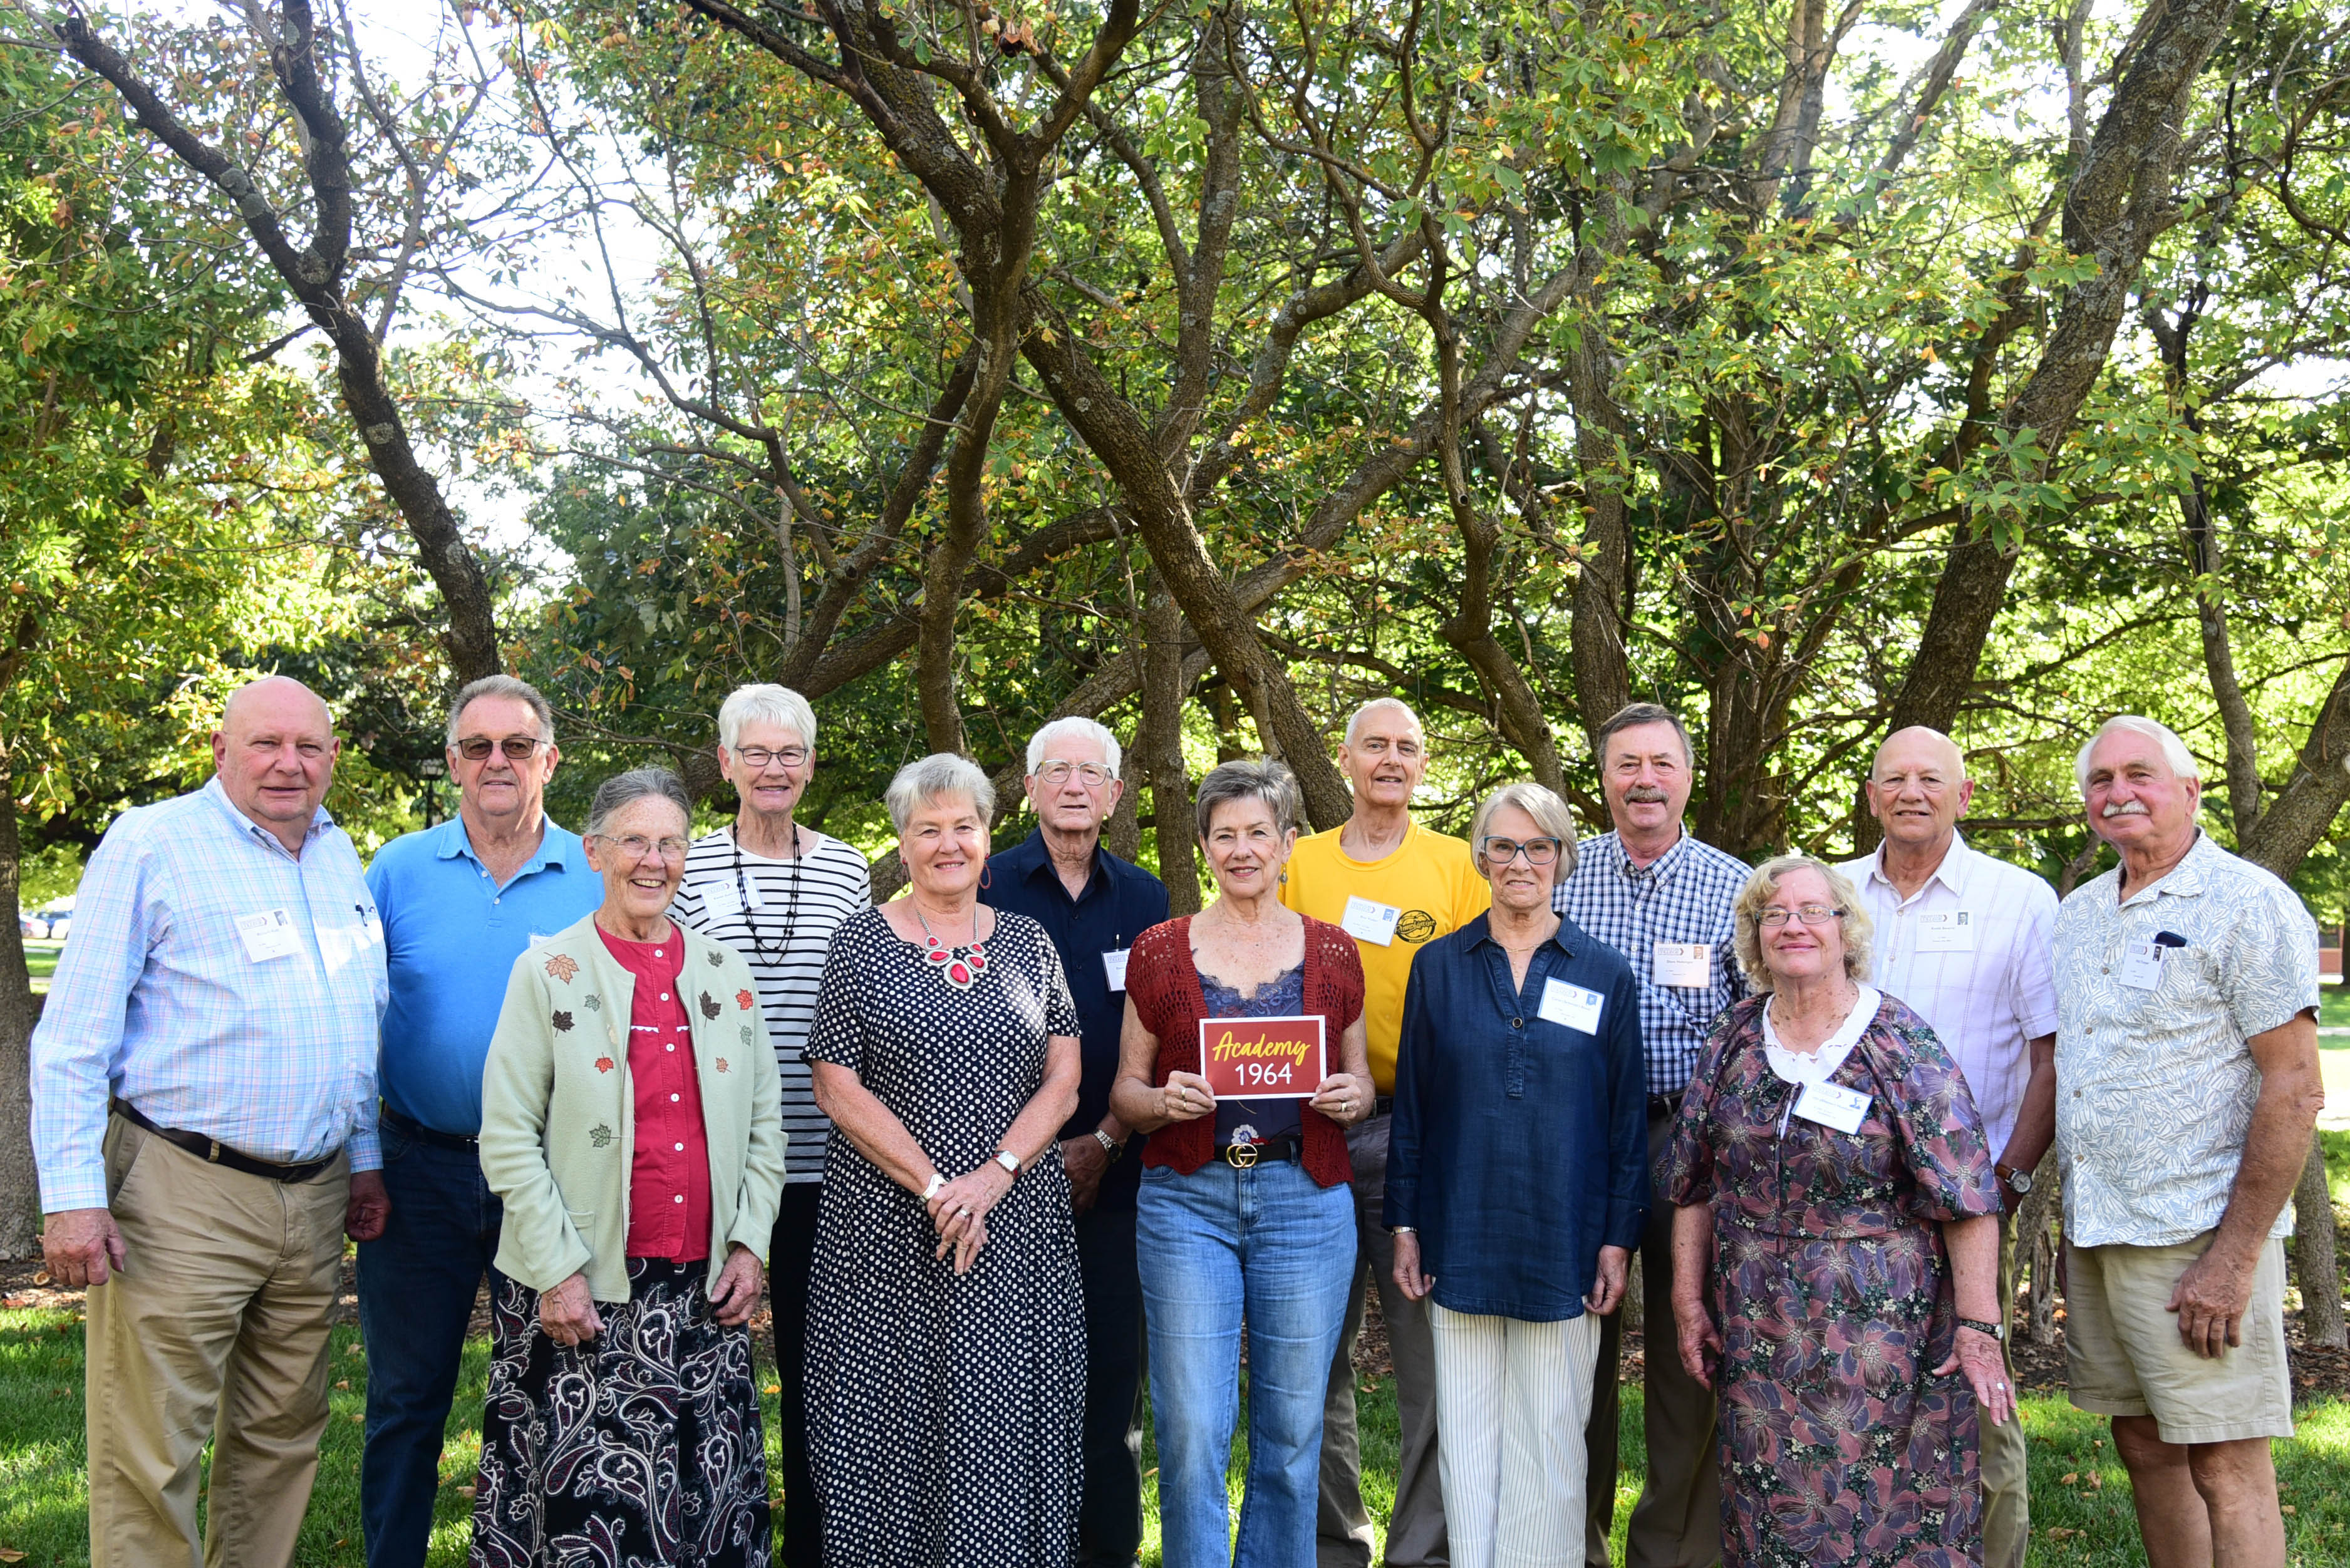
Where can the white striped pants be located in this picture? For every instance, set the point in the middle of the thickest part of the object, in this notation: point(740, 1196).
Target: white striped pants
point(1511, 1398)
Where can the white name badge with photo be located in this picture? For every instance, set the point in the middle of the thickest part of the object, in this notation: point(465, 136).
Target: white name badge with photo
point(721, 901)
point(1949, 931)
point(268, 935)
point(1684, 964)
point(1369, 922)
point(2142, 965)
point(1571, 1005)
point(1114, 967)
point(1833, 1105)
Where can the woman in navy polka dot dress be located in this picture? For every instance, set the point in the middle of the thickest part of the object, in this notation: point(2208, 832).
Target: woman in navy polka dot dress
point(946, 1332)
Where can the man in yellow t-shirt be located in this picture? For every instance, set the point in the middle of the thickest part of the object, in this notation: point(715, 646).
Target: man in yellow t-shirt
point(1395, 887)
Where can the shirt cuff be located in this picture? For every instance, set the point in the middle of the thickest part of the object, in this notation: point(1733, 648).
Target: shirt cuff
point(81, 1187)
point(366, 1150)
point(1625, 1224)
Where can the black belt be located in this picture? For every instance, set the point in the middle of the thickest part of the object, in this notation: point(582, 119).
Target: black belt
point(1666, 1105)
point(1242, 1156)
point(406, 1127)
point(214, 1152)
point(1383, 1106)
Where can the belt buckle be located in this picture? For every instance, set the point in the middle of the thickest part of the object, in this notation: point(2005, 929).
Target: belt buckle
point(1240, 1155)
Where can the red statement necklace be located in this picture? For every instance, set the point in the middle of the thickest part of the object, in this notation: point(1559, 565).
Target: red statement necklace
point(962, 972)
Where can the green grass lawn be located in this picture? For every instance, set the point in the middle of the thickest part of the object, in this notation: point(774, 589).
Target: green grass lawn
point(2080, 1497)
point(2334, 1013)
point(41, 958)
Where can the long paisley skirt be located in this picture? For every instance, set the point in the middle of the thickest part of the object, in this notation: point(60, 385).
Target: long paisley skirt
point(639, 1449)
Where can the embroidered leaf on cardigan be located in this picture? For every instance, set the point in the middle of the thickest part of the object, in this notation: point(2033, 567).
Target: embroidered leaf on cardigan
point(562, 966)
point(603, 1063)
point(721, 1063)
point(563, 1023)
point(714, 957)
point(592, 1003)
point(710, 1008)
point(600, 1136)
point(743, 999)
point(744, 1034)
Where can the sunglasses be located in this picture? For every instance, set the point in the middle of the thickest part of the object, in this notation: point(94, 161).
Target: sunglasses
point(517, 748)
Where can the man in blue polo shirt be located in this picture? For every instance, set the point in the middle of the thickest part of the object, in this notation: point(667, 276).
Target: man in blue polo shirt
point(460, 903)
point(1092, 905)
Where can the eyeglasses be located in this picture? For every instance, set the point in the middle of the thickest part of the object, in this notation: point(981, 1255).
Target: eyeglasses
point(635, 846)
point(1537, 851)
point(758, 757)
point(517, 748)
point(1810, 914)
point(1054, 775)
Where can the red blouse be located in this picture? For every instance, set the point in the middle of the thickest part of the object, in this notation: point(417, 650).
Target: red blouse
point(669, 1180)
point(1164, 985)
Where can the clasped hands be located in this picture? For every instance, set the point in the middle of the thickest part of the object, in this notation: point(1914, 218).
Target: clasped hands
point(1345, 1098)
point(959, 1211)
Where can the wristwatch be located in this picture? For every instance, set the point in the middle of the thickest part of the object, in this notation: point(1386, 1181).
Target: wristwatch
point(1996, 1329)
point(1110, 1146)
point(2019, 1179)
point(1008, 1160)
point(931, 1191)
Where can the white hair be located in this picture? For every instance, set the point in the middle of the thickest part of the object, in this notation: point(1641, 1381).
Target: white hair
point(778, 705)
point(939, 776)
point(1085, 729)
point(1355, 724)
point(2175, 754)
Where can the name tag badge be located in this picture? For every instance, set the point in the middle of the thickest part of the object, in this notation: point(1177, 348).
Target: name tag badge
point(1833, 1105)
point(268, 935)
point(1571, 1006)
point(1684, 964)
point(1369, 922)
point(2142, 965)
point(720, 901)
point(1950, 931)
point(1114, 967)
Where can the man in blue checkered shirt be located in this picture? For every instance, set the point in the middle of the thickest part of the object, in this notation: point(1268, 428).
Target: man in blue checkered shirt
point(1663, 900)
point(204, 1122)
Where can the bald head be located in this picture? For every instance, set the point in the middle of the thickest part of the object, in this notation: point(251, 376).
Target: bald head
point(1917, 789)
point(274, 751)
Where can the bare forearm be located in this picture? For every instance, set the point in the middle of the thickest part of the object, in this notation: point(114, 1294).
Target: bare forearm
point(1974, 1265)
point(2035, 1119)
point(875, 1130)
point(1040, 1121)
point(1692, 1239)
point(2292, 1092)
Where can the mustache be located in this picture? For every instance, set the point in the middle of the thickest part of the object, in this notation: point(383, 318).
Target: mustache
point(1647, 795)
point(2124, 808)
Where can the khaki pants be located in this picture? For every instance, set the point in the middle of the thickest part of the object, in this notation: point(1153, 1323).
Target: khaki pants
point(1343, 1525)
point(1677, 1521)
point(216, 1328)
point(2007, 1509)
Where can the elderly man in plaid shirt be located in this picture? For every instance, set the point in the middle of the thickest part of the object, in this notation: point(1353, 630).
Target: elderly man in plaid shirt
point(1663, 900)
point(204, 1121)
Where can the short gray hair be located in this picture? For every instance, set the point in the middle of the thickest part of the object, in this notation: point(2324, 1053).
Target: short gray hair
point(505, 685)
point(1633, 715)
point(1355, 720)
point(622, 789)
point(938, 777)
point(1086, 728)
point(1859, 930)
point(1249, 778)
point(2175, 754)
point(778, 705)
point(1550, 814)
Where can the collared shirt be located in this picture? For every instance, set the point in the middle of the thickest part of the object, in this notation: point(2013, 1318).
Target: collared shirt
point(1427, 887)
point(2155, 1086)
point(1969, 953)
point(219, 985)
point(452, 934)
point(669, 1166)
point(779, 915)
point(1120, 902)
point(1683, 895)
point(1520, 1144)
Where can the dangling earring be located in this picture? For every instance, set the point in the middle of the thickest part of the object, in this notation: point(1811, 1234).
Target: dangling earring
point(1282, 879)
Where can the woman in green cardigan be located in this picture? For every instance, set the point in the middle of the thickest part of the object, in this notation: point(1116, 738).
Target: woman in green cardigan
point(630, 1121)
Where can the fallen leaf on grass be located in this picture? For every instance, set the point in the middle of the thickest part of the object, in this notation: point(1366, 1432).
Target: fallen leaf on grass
point(10, 1554)
point(465, 1491)
point(2071, 1476)
point(2286, 1508)
point(342, 1382)
point(774, 1389)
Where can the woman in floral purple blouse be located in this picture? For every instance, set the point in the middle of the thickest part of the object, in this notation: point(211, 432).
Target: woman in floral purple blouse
point(1835, 1251)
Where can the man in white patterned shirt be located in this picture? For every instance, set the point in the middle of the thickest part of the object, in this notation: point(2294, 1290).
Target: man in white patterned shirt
point(204, 1117)
point(1664, 900)
point(1963, 940)
point(2187, 1087)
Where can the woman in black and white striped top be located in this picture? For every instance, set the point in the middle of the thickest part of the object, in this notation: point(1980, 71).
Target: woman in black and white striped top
point(772, 889)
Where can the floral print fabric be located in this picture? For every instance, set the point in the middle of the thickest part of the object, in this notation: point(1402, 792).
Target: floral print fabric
point(1832, 1290)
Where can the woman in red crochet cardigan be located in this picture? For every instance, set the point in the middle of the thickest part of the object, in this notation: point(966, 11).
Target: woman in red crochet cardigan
point(1244, 1211)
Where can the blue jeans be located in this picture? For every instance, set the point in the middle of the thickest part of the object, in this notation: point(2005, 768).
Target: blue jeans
point(417, 1283)
point(1213, 1247)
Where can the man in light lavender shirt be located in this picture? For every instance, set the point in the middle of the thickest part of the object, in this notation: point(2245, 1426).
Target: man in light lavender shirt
point(1964, 940)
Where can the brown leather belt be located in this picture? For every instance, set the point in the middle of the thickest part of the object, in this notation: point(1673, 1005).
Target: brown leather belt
point(214, 1152)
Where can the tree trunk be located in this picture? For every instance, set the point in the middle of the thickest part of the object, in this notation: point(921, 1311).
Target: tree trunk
point(1160, 742)
point(20, 1188)
point(2036, 1245)
point(2315, 1262)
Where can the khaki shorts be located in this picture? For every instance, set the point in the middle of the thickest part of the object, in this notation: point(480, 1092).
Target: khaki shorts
point(2123, 1356)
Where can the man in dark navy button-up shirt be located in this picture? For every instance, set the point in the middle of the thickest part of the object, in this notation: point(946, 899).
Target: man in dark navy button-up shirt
point(1092, 905)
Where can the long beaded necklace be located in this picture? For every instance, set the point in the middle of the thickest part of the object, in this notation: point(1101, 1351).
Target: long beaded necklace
point(961, 974)
point(742, 892)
